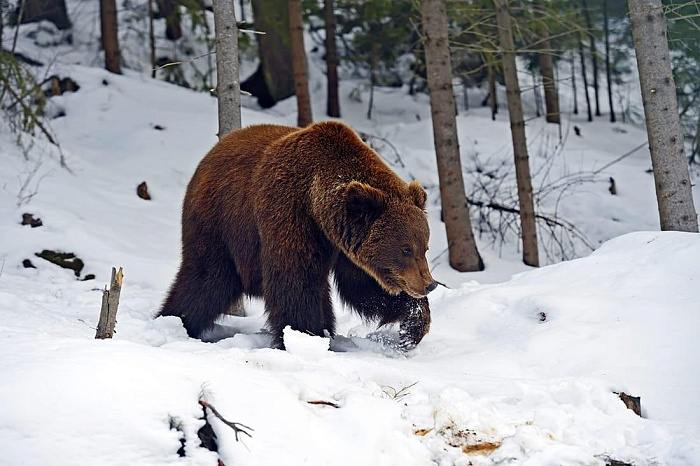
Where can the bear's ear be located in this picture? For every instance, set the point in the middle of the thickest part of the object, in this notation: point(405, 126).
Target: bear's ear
point(418, 194)
point(362, 200)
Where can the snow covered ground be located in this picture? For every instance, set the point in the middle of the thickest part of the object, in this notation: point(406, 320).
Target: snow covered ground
point(517, 370)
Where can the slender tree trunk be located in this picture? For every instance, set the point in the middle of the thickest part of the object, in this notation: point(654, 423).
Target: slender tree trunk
point(228, 87)
point(373, 59)
point(241, 3)
point(551, 98)
point(110, 35)
point(528, 224)
point(585, 80)
point(301, 78)
point(151, 38)
point(573, 81)
point(536, 92)
point(696, 144)
point(594, 54)
point(462, 249)
point(493, 95)
point(608, 67)
point(673, 188)
point(333, 101)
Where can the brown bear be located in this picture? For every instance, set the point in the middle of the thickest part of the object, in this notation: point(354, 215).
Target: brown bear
point(272, 210)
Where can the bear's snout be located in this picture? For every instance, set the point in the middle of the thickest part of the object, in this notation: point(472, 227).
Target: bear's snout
point(431, 287)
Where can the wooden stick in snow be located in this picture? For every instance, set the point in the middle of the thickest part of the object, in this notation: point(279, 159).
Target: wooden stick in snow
point(110, 303)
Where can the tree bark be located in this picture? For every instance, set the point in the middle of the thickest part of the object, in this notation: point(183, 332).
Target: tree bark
point(594, 54)
point(110, 304)
point(151, 38)
point(169, 9)
point(551, 98)
point(585, 80)
point(462, 249)
point(673, 189)
point(493, 95)
point(301, 77)
point(110, 35)
point(274, 79)
point(373, 59)
point(573, 82)
point(228, 90)
point(528, 224)
point(608, 67)
point(333, 102)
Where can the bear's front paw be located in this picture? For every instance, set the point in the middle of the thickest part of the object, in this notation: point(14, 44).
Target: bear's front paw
point(414, 326)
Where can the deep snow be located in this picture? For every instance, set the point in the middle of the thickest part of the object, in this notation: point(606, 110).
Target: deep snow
point(523, 368)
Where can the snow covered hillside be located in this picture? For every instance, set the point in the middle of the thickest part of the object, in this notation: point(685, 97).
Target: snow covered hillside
point(517, 369)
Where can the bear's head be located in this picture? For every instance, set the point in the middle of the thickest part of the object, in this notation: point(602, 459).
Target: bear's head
point(388, 237)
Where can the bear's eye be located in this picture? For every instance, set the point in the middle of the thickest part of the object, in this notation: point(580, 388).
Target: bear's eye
point(407, 252)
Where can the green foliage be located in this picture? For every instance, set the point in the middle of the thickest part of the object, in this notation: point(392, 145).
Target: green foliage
point(21, 99)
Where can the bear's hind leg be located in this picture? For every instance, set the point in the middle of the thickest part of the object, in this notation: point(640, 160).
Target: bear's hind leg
point(204, 289)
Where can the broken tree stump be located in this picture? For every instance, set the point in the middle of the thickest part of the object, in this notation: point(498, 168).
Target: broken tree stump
point(110, 303)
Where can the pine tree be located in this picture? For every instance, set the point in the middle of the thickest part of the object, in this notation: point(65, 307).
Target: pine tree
point(462, 249)
point(673, 188)
point(301, 78)
point(528, 225)
point(110, 35)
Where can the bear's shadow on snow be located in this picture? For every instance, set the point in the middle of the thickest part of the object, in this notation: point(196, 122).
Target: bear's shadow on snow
point(384, 341)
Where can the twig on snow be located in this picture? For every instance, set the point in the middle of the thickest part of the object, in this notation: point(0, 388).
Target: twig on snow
point(236, 426)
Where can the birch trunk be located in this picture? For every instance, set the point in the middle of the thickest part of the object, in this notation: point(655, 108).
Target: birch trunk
point(333, 102)
point(528, 224)
point(463, 253)
point(673, 189)
point(301, 78)
point(228, 86)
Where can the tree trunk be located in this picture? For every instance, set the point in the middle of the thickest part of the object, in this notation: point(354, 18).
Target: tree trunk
point(170, 10)
point(463, 252)
point(45, 10)
point(274, 79)
point(374, 51)
point(301, 78)
point(551, 98)
point(151, 38)
point(241, 3)
point(573, 82)
point(228, 90)
point(594, 54)
point(493, 95)
point(673, 188)
point(110, 35)
point(608, 67)
point(585, 80)
point(110, 305)
point(333, 102)
point(528, 224)
point(536, 94)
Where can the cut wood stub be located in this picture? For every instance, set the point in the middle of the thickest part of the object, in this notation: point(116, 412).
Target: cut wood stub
point(110, 303)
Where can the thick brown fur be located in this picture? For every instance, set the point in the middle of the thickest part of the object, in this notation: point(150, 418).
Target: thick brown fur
point(272, 210)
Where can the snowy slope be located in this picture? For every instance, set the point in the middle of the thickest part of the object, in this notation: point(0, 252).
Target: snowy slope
point(515, 370)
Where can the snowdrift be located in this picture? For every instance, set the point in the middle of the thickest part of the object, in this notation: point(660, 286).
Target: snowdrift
point(517, 373)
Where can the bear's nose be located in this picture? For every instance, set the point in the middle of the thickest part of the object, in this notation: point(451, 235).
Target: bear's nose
point(431, 287)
